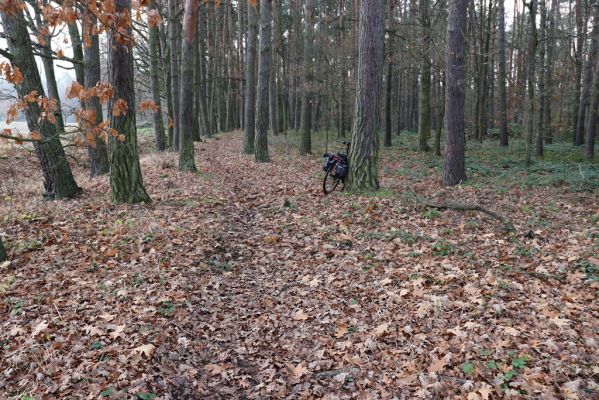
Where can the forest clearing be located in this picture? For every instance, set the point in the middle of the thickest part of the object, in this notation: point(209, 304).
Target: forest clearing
point(246, 282)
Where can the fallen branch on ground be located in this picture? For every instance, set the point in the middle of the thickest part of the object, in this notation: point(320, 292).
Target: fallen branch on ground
point(507, 224)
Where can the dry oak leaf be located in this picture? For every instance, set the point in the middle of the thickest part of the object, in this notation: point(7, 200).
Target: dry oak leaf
point(299, 370)
point(214, 369)
point(440, 364)
point(118, 330)
point(381, 329)
point(511, 331)
point(147, 349)
point(39, 328)
point(93, 331)
point(300, 315)
point(341, 330)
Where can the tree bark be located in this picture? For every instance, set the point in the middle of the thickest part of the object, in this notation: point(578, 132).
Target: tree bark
point(363, 174)
point(454, 170)
point(587, 79)
point(530, 77)
point(580, 38)
point(190, 24)
point(542, 94)
point(308, 76)
point(168, 88)
point(59, 182)
point(203, 89)
point(424, 96)
point(551, 40)
point(125, 172)
point(591, 131)
point(250, 82)
point(154, 39)
point(97, 152)
point(264, 74)
point(440, 116)
point(173, 33)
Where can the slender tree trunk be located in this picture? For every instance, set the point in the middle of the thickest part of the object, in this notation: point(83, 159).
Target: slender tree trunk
point(262, 98)
point(48, 63)
point(58, 178)
point(363, 174)
point(197, 83)
point(273, 85)
point(203, 87)
point(587, 80)
point(308, 97)
point(593, 118)
point(168, 88)
point(551, 40)
point(440, 116)
point(154, 39)
point(542, 94)
point(424, 97)
point(98, 151)
point(173, 33)
point(502, 77)
point(250, 82)
point(125, 172)
point(454, 170)
point(580, 38)
point(530, 78)
point(190, 25)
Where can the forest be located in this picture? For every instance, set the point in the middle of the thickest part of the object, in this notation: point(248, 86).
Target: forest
point(299, 199)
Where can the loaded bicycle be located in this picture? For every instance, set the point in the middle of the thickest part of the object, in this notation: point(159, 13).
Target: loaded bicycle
point(335, 167)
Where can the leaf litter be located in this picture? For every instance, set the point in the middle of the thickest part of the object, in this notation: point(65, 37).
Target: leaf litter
point(246, 282)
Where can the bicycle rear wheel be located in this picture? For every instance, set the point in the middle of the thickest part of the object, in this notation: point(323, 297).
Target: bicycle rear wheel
point(331, 181)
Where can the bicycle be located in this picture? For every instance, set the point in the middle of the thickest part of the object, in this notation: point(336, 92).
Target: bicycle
point(335, 166)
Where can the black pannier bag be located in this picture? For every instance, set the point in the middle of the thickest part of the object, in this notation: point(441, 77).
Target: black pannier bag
point(328, 161)
point(341, 169)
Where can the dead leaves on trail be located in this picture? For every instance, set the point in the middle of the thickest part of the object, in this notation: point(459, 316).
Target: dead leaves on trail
point(246, 282)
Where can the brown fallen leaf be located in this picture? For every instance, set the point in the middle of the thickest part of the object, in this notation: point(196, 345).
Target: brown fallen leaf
point(39, 328)
point(440, 364)
point(381, 329)
point(341, 330)
point(300, 315)
point(147, 349)
point(93, 331)
point(299, 370)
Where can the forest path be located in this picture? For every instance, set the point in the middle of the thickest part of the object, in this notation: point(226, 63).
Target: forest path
point(244, 281)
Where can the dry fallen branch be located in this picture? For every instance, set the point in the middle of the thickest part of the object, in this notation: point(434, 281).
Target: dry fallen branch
point(333, 373)
point(507, 224)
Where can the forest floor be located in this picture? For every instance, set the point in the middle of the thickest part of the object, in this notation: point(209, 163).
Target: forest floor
point(244, 281)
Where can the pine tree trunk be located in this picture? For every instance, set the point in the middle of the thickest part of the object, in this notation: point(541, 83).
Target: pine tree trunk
point(530, 78)
point(363, 174)
point(454, 170)
point(307, 90)
point(98, 153)
point(580, 30)
point(173, 33)
point(262, 98)
point(424, 97)
point(502, 74)
point(125, 172)
point(440, 116)
point(551, 40)
point(587, 80)
point(250, 82)
point(542, 94)
point(589, 150)
point(58, 178)
point(388, 92)
point(197, 82)
point(154, 39)
point(190, 25)
point(203, 91)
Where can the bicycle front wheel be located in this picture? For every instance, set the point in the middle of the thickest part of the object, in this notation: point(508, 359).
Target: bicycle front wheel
point(331, 180)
